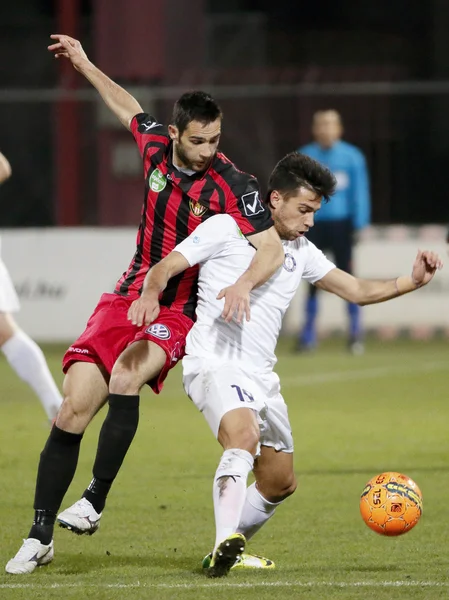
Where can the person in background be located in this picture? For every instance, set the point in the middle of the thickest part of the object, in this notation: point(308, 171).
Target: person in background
point(21, 352)
point(338, 223)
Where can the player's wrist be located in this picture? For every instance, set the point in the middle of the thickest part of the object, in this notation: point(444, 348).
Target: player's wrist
point(405, 284)
point(150, 293)
point(245, 282)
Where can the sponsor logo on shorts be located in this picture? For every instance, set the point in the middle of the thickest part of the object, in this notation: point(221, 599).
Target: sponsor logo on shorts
point(289, 263)
point(158, 330)
point(78, 350)
point(176, 353)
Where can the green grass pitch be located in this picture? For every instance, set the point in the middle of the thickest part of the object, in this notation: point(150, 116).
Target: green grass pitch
point(352, 417)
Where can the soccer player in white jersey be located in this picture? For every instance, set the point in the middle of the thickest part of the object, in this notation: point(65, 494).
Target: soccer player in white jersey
point(21, 352)
point(228, 368)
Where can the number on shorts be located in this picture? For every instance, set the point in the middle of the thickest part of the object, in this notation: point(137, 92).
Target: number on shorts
point(243, 395)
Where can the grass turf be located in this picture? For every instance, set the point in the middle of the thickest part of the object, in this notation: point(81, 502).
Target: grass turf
point(352, 417)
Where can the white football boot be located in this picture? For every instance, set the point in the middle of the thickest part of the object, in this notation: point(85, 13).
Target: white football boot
point(32, 554)
point(81, 518)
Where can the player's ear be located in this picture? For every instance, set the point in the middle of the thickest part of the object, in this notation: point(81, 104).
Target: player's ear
point(173, 132)
point(275, 198)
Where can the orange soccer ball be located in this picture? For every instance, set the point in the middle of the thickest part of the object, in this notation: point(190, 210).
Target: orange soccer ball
point(391, 503)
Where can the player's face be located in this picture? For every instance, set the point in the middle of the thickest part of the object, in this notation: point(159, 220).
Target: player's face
point(294, 217)
point(196, 147)
point(327, 128)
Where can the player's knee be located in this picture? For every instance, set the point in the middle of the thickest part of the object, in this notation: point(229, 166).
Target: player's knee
point(123, 381)
point(290, 485)
point(280, 487)
point(249, 439)
point(73, 416)
point(245, 438)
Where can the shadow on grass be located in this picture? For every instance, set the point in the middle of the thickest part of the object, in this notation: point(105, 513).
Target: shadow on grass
point(75, 564)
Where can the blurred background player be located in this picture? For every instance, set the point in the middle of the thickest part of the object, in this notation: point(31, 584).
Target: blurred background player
point(21, 352)
point(337, 223)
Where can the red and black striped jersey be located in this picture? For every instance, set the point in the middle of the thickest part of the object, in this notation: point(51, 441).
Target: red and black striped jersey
point(176, 203)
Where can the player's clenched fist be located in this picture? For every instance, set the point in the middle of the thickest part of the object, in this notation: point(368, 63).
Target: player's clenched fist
point(69, 48)
point(425, 266)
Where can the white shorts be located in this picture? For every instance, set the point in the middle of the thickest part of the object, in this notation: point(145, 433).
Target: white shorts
point(216, 388)
point(9, 301)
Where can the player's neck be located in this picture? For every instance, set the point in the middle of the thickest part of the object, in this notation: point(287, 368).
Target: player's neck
point(179, 166)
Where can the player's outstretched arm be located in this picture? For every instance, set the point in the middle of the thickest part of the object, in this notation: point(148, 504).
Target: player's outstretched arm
point(267, 260)
point(145, 309)
point(368, 291)
point(117, 99)
point(5, 168)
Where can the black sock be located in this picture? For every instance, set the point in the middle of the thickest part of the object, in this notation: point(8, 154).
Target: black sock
point(116, 435)
point(43, 526)
point(57, 467)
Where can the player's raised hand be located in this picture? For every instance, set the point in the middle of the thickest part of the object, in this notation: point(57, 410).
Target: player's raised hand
point(236, 301)
point(144, 310)
point(425, 266)
point(69, 48)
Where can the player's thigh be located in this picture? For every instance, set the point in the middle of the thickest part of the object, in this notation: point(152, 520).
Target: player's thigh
point(142, 361)
point(85, 390)
point(274, 473)
point(218, 388)
point(239, 429)
point(8, 327)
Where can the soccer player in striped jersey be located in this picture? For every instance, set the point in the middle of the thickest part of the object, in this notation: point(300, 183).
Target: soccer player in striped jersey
point(187, 180)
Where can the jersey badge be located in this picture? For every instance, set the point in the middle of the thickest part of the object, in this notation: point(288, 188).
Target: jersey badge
point(196, 208)
point(157, 181)
point(159, 330)
point(252, 204)
point(289, 263)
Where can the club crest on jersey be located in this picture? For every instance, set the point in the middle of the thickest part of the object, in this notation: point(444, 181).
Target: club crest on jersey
point(196, 208)
point(157, 181)
point(158, 330)
point(289, 263)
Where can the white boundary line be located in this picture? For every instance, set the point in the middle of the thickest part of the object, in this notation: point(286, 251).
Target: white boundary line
point(226, 584)
point(361, 374)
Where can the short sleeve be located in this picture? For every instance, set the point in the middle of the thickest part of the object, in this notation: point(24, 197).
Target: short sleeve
point(317, 265)
point(147, 130)
point(207, 239)
point(245, 205)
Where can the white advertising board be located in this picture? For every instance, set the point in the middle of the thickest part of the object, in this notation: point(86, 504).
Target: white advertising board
point(60, 274)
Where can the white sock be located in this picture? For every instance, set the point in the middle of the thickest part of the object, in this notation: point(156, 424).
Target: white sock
point(229, 491)
point(255, 513)
point(28, 361)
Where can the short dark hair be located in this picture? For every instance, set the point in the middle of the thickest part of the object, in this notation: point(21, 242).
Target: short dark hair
point(195, 106)
point(298, 170)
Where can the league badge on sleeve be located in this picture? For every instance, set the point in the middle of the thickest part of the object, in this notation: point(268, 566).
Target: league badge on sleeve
point(252, 204)
point(157, 181)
